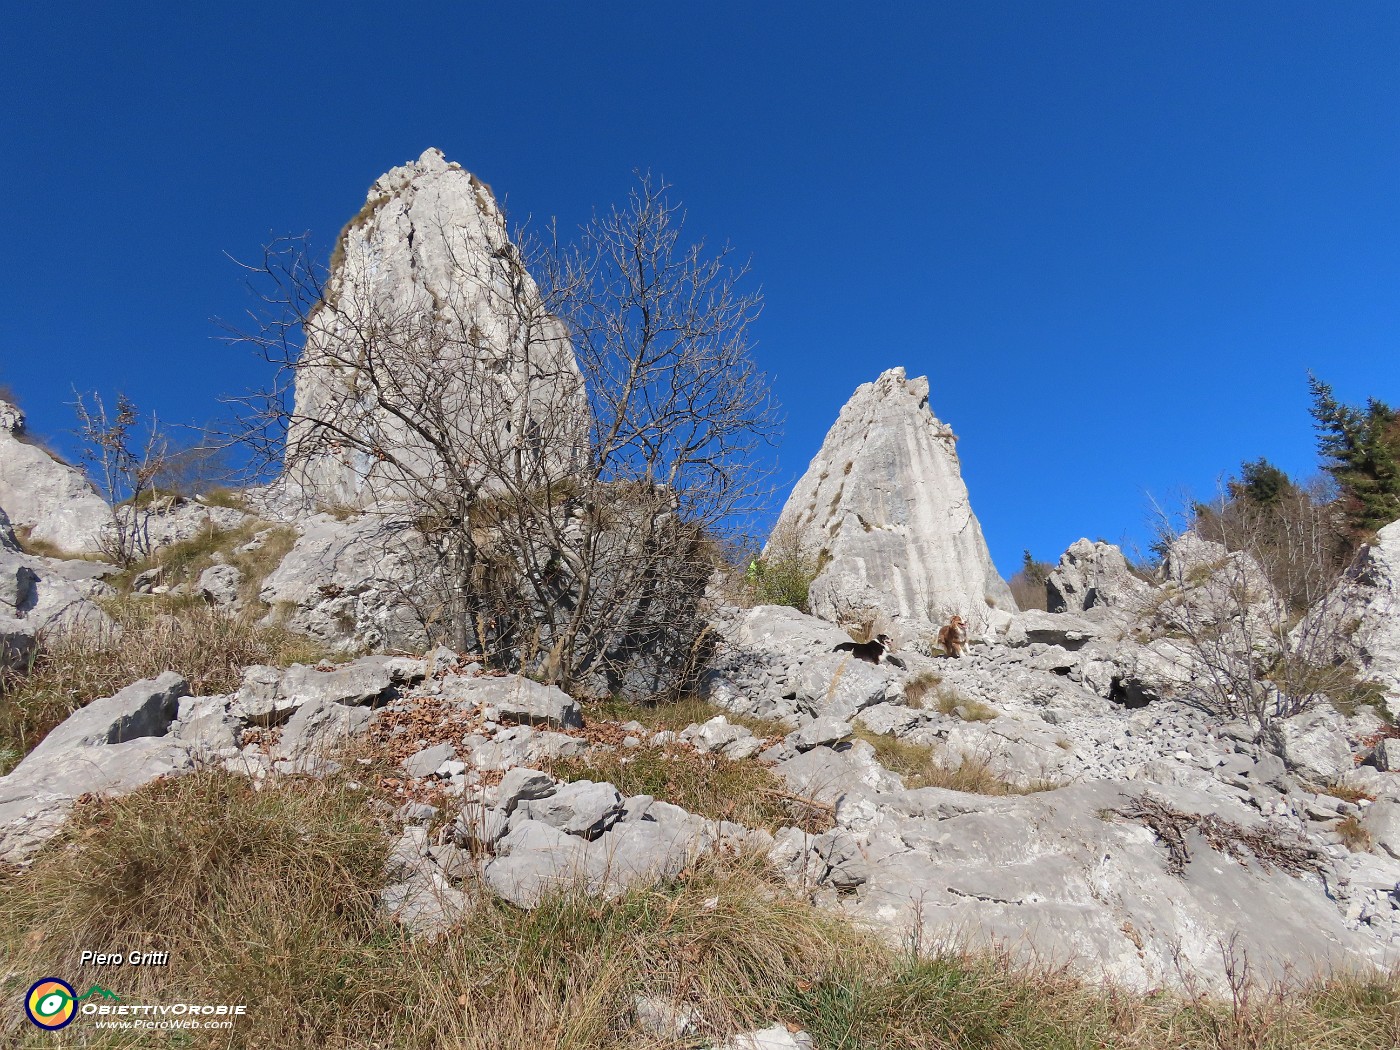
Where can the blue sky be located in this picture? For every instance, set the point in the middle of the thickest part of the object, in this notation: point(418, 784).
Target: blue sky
point(1115, 235)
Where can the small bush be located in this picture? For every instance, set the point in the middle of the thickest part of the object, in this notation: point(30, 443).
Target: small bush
point(920, 687)
point(1028, 585)
point(952, 702)
point(1354, 836)
point(782, 575)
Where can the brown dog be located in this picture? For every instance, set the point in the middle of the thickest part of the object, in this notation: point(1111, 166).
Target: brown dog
point(952, 639)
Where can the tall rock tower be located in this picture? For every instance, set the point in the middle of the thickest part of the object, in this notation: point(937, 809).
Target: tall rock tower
point(884, 507)
point(430, 338)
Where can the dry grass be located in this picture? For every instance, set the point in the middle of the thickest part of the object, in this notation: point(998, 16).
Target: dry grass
point(675, 715)
point(919, 689)
point(1355, 837)
point(44, 549)
point(922, 766)
point(209, 647)
point(951, 702)
point(268, 898)
point(182, 563)
point(744, 791)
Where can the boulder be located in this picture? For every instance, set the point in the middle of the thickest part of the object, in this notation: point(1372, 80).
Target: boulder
point(144, 708)
point(517, 699)
point(219, 584)
point(111, 746)
point(1387, 755)
point(424, 763)
point(1093, 575)
point(354, 584)
point(718, 735)
point(47, 594)
point(1382, 823)
point(205, 725)
point(818, 732)
point(535, 859)
point(53, 500)
point(320, 726)
point(884, 509)
point(269, 696)
point(1034, 627)
point(775, 1037)
point(837, 685)
point(1315, 745)
point(581, 808)
point(427, 905)
point(523, 785)
point(1370, 593)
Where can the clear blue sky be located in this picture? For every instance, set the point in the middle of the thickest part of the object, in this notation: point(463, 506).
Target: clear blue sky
point(1116, 235)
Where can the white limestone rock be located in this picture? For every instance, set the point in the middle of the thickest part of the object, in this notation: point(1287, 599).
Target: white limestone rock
point(355, 584)
point(1372, 593)
point(1093, 575)
point(430, 250)
point(111, 746)
point(884, 506)
point(51, 499)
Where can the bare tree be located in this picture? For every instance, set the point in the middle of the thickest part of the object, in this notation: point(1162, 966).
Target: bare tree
point(124, 456)
point(1250, 604)
point(570, 437)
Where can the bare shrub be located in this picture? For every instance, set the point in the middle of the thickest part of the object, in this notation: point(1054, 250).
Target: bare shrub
point(124, 457)
point(1249, 601)
point(569, 510)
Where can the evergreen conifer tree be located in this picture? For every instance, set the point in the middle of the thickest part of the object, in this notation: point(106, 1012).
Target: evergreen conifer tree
point(1360, 449)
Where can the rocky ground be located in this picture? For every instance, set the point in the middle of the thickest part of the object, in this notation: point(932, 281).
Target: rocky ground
point(1143, 843)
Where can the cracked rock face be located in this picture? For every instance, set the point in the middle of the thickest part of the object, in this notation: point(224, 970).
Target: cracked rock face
point(884, 506)
point(428, 266)
point(53, 500)
point(1374, 585)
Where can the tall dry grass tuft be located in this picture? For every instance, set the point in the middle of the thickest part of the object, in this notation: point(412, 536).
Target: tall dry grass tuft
point(146, 638)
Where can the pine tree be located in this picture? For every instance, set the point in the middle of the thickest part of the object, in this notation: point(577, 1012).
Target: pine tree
point(1360, 449)
point(1261, 483)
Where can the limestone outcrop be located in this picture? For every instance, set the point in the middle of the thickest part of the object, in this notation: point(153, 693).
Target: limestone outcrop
point(428, 310)
point(1372, 593)
point(884, 507)
point(54, 501)
point(1093, 575)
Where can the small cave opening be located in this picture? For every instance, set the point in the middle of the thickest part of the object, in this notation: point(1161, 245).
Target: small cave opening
point(1128, 694)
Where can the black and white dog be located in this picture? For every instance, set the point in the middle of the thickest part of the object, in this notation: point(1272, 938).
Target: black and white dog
point(872, 652)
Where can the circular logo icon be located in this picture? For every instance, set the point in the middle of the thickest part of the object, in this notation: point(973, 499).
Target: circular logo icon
point(51, 1003)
